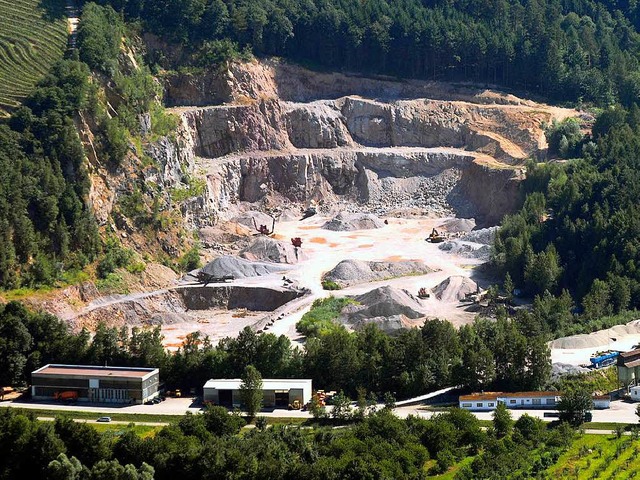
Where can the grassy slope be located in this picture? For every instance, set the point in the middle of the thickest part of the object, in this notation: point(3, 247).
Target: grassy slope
point(33, 36)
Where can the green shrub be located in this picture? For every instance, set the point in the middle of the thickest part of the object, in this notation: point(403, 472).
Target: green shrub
point(321, 318)
point(191, 259)
point(330, 285)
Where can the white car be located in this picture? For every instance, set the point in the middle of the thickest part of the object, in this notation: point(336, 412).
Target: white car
point(104, 419)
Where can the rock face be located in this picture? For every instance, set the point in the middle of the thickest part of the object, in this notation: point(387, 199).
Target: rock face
point(176, 305)
point(270, 250)
point(353, 272)
point(387, 307)
point(345, 222)
point(275, 132)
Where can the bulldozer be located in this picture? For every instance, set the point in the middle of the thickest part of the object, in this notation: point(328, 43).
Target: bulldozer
point(435, 237)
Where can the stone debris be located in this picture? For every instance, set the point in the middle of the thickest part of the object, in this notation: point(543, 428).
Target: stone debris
point(270, 250)
point(347, 222)
point(353, 272)
point(240, 267)
point(455, 288)
point(387, 307)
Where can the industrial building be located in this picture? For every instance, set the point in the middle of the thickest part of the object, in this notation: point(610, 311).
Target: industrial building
point(485, 402)
point(489, 401)
point(277, 392)
point(629, 367)
point(95, 384)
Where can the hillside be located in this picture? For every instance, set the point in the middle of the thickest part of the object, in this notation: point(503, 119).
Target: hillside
point(33, 36)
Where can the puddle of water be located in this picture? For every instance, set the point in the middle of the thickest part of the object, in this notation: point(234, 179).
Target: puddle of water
point(320, 240)
point(393, 258)
point(333, 245)
point(366, 245)
point(309, 227)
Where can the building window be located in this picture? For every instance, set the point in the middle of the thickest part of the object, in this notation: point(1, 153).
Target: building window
point(491, 404)
point(512, 402)
point(551, 401)
point(478, 404)
point(467, 405)
point(537, 401)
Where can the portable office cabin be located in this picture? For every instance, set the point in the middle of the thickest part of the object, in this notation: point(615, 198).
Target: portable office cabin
point(277, 392)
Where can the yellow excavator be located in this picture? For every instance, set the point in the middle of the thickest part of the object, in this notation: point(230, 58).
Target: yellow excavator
point(435, 237)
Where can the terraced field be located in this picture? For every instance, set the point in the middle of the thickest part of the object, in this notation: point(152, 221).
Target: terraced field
point(33, 36)
point(599, 457)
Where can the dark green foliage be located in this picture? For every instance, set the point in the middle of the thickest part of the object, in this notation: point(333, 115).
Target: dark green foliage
point(191, 259)
point(251, 390)
point(574, 404)
point(115, 256)
point(575, 236)
point(583, 50)
point(321, 318)
point(45, 225)
point(99, 36)
point(564, 138)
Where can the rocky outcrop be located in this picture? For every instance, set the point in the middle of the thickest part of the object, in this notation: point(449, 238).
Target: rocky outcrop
point(277, 132)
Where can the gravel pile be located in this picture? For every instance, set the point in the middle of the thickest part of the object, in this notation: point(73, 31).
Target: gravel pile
point(347, 222)
point(387, 307)
point(239, 267)
point(562, 369)
point(270, 250)
point(353, 272)
point(458, 225)
point(476, 244)
point(247, 219)
point(597, 339)
point(485, 236)
point(467, 250)
point(454, 288)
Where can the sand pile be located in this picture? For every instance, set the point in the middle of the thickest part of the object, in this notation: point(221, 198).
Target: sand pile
point(387, 307)
point(247, 219)
point(270, 250)
point(597, 339)
point(239, 267)
point(458, 225)
point(353, 272)
point(347, 222)
point(454, 288)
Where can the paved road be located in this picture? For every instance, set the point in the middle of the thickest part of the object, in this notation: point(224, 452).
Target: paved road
point(620, 411)
point(112, 422)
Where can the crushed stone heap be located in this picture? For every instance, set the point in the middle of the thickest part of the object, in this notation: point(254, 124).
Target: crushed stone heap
point(240, 267)
point(347, 222)
point(454, 288)
point(353, 272)
point(270, 250)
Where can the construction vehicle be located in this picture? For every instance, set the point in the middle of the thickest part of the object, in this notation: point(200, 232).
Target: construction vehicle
point(295, 405)
point(177, 393)
point(309, 212)
point(422, 293)
point(604, 359)
point(206, 278)
point(263, 229)
point(296, 242)
point(435, 237)
point(66, 395)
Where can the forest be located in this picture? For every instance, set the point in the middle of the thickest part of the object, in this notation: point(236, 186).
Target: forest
point(583, 50)
point(376, 446)
point(574, 243)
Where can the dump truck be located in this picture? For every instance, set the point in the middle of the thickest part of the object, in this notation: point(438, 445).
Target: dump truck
point(66, 395)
